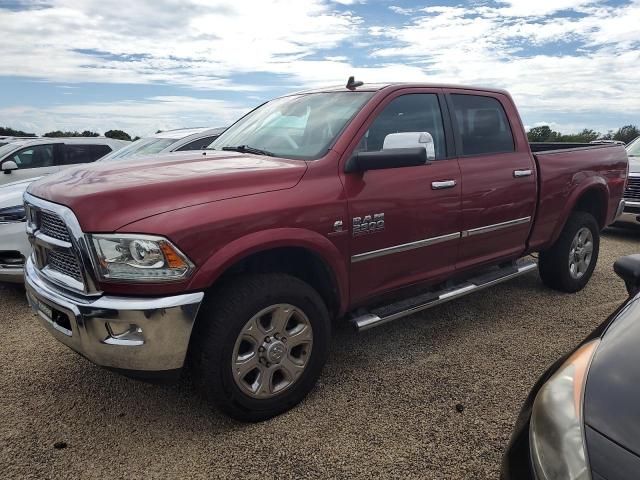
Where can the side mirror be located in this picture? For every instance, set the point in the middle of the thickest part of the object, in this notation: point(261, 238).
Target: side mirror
point(628, 269)
point(411, 140)
point(392, 158)
point(9, 166)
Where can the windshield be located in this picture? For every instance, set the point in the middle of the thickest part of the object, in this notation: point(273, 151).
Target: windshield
point(144, 146)
point(9, 147)
point(633, 150)
point(298, 126)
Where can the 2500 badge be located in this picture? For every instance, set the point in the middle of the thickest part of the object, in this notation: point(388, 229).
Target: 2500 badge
point(368, 224)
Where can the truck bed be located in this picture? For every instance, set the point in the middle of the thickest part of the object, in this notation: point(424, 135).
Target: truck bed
point(563, 172)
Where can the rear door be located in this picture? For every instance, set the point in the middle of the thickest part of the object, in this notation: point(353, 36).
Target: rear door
point(404, 222)
point(499, 186)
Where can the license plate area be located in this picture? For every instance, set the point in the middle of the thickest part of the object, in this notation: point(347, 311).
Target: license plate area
point(58, 319)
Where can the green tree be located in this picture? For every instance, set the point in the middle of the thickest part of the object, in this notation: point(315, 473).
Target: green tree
point(89, 133)
point(10, 132)
point(117, 134)
point(59, 133)
point(542, 133)
point(585, 136)
point(627, 133)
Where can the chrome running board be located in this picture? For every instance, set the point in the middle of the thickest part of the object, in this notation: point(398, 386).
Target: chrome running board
point(381, 315)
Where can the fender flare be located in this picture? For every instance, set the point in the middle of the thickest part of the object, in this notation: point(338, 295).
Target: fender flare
point(264, 240)
point(596, 183)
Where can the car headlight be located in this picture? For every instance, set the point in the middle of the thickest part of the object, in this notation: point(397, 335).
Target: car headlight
point(134, 257)
point(556, 430)
point(13, 214)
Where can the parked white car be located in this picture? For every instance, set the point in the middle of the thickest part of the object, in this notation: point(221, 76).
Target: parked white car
point(24, 159)
point(14, 246)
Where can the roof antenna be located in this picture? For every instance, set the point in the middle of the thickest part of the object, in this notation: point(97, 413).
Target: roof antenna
point(352, 84)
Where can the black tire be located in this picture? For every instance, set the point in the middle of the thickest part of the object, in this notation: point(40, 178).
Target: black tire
point(223, 316)
point(554, 262)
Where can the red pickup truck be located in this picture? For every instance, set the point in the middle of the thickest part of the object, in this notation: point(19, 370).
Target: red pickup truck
point(364, 203)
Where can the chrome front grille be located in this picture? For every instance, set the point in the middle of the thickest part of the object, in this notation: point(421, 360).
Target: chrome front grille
point(53, 226)
point(55, 236)
point(633, 189)
point(64, 263)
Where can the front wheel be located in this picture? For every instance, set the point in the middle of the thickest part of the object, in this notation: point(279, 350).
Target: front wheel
point(260, 344)
point(568, 265)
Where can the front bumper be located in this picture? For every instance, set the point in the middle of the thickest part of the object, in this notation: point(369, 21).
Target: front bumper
point(630, 213)
point(132, 335)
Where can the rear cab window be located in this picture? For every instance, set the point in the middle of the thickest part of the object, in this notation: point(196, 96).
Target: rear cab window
point(481, 124)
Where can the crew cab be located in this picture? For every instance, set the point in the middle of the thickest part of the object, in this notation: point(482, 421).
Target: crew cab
point(363, 203)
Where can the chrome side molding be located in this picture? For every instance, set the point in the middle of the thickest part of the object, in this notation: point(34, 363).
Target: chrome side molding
point(495, 226)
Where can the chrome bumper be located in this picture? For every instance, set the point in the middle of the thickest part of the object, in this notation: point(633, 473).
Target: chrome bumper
point(134, 334)
point(629, 213)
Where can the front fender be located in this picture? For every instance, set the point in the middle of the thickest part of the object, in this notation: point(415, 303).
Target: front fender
point(264, 240)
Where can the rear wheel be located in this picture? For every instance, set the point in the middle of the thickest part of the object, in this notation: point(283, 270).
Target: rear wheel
point(568, 265)
point(260, 345)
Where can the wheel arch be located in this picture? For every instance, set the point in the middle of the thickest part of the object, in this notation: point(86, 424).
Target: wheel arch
point(592, 197)
point(304, 254)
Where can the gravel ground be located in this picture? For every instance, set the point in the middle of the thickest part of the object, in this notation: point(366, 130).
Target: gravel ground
point(385, 406)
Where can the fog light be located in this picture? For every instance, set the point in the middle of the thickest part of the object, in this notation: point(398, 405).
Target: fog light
point(124, 334)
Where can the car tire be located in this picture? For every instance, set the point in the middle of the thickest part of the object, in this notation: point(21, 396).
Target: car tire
point(568, 265)
point(240, 326)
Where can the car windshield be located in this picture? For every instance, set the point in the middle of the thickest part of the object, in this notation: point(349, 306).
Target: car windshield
point(633, 150)
point(9, 147)
point(298, 126)
point(144, 146)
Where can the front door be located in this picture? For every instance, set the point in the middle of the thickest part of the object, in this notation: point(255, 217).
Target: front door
point(404, 222)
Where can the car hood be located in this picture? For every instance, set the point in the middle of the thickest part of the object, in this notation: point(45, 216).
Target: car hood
point(106, 196)
point(11, 193)
point(612, 392)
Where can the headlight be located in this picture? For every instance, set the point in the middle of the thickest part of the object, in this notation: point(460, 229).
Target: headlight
point(556, 433)
point(139, 258)
point(13, 214)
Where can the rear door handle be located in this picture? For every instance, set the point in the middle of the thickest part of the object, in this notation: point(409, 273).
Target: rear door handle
point(522, 173)
point(443, 184)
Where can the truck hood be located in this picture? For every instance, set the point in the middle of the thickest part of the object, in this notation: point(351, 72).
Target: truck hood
point(613, 382)
point(106, 196)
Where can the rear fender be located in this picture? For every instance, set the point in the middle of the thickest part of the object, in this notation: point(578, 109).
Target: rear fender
point(595, 183)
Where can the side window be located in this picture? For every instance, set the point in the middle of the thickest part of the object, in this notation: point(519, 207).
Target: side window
point(34, 157)
point(482, 124)
point(74, 154)
point(199, 144)
point(417, 116)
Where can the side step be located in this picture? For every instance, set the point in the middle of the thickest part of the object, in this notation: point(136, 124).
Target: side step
point(388, 313)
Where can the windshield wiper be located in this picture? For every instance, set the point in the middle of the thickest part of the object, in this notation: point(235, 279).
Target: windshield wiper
point(248, 149)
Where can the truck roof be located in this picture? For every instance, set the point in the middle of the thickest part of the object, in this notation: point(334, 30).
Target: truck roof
point(373, 87)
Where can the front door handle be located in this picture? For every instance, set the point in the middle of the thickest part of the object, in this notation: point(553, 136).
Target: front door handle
point(522, 173)
point(443, 184)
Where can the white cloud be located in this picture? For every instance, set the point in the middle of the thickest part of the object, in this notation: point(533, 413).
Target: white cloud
point(140, 117)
